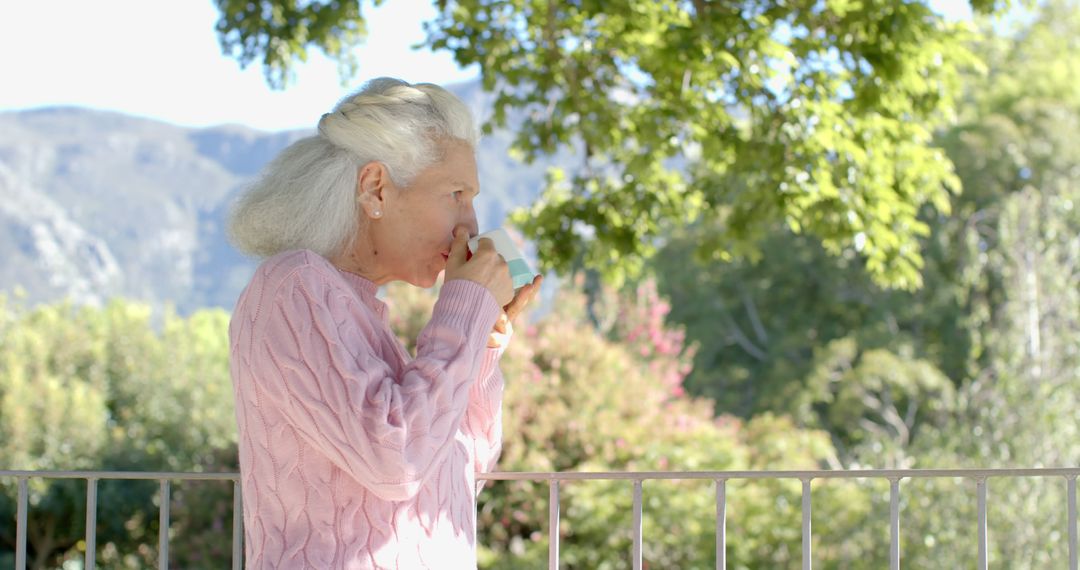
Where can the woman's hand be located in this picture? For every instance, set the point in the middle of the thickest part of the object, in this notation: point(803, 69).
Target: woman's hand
point(486, 267)
point(523, 297)
point(500, 333)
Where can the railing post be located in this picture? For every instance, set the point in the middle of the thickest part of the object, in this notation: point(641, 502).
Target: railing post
point(238, 527)
point(91, 524)
point(1071, 486)
point(894, 523)
point(553, 524)
point(20, 526)
point(807, 562)
point(721, 524)
point(980, 485)
point(637, 524)
point(163, 526)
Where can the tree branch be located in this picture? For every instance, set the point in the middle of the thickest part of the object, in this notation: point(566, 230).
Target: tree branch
point(891, 416)
point(737, 333)
point(751, 311)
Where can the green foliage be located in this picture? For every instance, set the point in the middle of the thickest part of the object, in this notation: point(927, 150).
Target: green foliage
point(53, 397)
point(810, 115)
point(100, 389)
point(810, 173)
point(814, 116)
point(986, 351)
point(772, 313)
point(872, 402)
point(583, 399)
point(1021, 402)
point(1017, 241)
point(279, 32)
point(158, 398)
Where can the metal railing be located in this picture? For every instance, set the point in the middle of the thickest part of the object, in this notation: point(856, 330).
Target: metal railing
point(720, 478)
point(92, 477)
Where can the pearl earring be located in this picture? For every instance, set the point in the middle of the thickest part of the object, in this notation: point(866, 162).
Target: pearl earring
point(377, 213)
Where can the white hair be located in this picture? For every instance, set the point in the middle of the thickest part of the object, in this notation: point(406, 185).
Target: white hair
point(306, 197)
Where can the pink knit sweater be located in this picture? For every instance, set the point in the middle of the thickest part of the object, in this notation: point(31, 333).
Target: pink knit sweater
point(352, 453)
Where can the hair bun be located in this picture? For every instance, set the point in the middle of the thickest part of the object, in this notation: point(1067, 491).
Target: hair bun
point(322, 125)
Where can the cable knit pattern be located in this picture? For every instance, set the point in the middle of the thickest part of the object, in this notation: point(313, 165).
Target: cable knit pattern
point(352, 453)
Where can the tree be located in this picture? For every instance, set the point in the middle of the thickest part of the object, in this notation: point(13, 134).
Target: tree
point(48, 420)
point(103, 389)
point(985, 351)
point(1017, 237)
point(743, 116)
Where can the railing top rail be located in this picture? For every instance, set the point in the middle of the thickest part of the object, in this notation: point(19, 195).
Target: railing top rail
point(146, 475)
point(614, 475)
point(789, 474)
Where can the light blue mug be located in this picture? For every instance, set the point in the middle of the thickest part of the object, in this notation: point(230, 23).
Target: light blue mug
point(520, 271)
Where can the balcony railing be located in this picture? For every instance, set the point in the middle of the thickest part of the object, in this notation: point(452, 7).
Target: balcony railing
point(720, 478)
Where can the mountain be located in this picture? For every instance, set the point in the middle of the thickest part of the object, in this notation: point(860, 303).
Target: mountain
point(97, 204)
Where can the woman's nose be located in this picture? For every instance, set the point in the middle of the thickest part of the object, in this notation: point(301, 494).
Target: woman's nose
point(470, 222)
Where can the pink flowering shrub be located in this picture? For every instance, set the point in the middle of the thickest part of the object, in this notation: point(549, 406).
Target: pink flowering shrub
point(640, 324)
point(598, 387)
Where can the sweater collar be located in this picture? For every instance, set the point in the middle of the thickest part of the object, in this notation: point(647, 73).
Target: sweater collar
point(366, 287)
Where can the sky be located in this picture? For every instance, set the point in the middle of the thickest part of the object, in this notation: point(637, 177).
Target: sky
point(161, 59)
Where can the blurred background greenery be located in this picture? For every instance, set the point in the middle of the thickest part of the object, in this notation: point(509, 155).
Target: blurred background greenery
point(740, 290)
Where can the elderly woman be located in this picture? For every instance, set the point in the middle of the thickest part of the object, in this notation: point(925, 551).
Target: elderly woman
point(354, 454)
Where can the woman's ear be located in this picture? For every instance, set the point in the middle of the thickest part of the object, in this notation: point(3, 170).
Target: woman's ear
point(372, 181)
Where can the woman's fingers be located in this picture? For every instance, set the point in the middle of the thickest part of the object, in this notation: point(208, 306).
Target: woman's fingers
point(524, 296)
point(501, 332)
point(486, 267)
point(459, 248)
point(502, 323)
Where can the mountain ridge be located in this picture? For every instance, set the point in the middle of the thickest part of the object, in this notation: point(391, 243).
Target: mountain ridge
point(96, 204)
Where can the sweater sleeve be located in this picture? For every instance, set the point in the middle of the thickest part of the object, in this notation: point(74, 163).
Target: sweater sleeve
point(483, 419)
point(318, 366)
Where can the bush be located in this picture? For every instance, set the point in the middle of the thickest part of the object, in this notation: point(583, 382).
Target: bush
point(582, 397)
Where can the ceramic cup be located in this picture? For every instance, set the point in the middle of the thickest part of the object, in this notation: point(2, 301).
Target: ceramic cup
point(520, 271)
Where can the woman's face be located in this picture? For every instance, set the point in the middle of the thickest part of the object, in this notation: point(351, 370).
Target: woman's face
point(412, 238)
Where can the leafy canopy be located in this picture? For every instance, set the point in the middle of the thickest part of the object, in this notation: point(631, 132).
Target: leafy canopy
point(808, 334)
point(279, 33)
point(813, 115)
